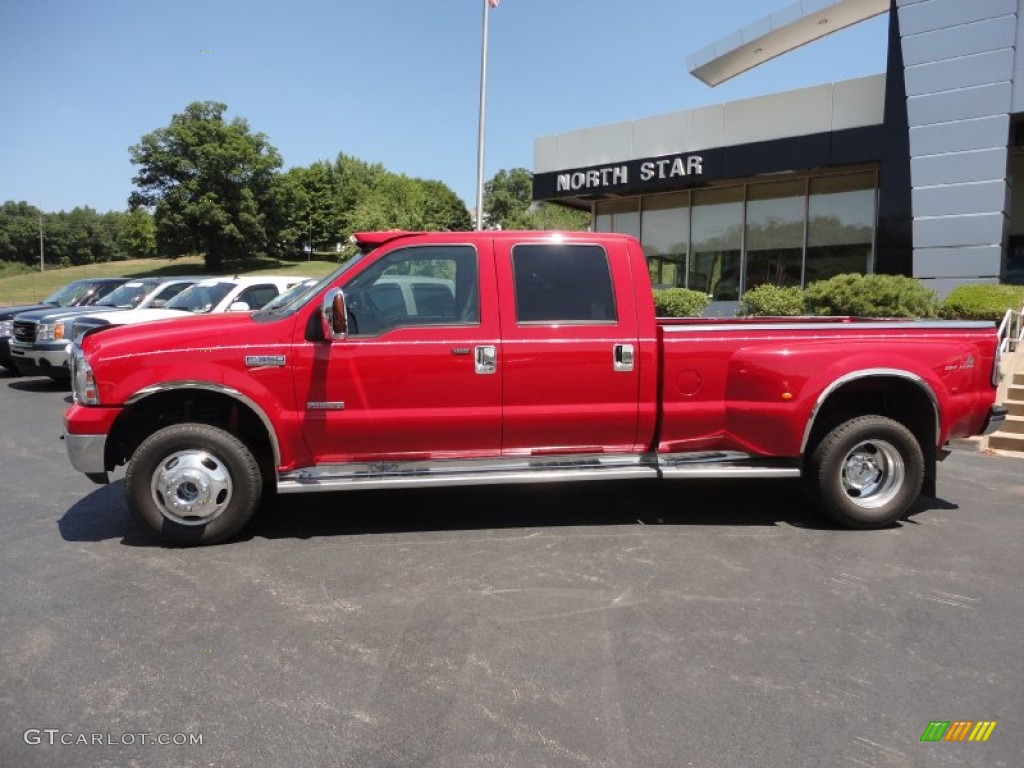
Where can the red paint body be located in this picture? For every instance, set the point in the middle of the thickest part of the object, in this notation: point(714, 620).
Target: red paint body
point(697, 385)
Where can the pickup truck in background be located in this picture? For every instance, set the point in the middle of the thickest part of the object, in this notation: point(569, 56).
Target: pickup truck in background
point(515, 357)
point(211, 295)
point(78, 293)
point(42, 336)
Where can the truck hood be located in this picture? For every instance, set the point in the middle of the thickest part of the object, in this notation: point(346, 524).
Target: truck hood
point(182, 332)
point(133, 316)
point(49, 314)
point(6, 313)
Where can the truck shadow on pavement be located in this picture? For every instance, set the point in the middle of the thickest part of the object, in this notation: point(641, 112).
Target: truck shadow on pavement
point(103, 514)
point(37, 384)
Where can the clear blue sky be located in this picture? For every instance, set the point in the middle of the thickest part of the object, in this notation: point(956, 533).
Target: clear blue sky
point(388, 81)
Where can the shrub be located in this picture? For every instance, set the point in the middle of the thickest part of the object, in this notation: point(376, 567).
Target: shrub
point(773, 301)
point(679, 302)
point(982, 302)
point(871, 296)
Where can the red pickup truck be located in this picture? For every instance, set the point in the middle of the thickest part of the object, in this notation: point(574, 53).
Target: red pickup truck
point(508, 357)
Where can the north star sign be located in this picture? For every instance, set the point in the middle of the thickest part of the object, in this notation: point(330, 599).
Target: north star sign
point(600, 178)
point(633, 176)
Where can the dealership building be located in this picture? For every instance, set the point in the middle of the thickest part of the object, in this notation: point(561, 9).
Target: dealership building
point(912, 171)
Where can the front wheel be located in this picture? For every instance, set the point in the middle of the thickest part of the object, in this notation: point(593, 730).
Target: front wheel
point(193, 484)
point(866, 473)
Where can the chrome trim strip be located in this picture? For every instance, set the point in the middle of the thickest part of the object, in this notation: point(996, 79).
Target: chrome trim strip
point(864, 374)
point(169, 386)
point(524, 469)
point(86, 452)
point(287, 484)
point(533, 469)
point(335, 405)
point(927, 325)
point(730, 470)
point(712, 464)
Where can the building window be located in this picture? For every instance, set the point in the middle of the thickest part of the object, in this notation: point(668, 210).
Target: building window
point(775, 233)
point(783, 233)
point(716, 242)
point(841, 225)
point(665, 226)
point(618, 216)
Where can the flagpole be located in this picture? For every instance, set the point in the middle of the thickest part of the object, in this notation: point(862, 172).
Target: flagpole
point(480, 130)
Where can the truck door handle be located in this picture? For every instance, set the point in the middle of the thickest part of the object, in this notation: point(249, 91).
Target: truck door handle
point(486, 359)
point(623, 357)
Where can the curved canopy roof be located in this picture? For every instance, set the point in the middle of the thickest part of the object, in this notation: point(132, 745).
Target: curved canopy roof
point(779, 33)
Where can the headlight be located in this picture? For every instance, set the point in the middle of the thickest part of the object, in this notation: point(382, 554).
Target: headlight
point(44, 332)
point(58, 331)
point(6, 328)
point(83, 380)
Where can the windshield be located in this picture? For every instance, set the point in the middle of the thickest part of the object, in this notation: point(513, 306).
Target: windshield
point(299, 294)
point(201, 297)
point(292, 294)
point(128, 295)
point(69, 295)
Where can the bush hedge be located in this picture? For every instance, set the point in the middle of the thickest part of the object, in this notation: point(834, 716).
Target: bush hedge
point(773, 301)
point(982, 302)
point(871, 296)
point(679, 302)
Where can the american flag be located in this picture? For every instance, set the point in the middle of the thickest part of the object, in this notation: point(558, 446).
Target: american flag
point(493, 3)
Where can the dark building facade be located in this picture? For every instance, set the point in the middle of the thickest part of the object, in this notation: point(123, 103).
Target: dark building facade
point(907, 172)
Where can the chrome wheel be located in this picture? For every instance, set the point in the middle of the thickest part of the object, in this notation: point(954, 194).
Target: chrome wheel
point(872, 473)
point(191, 487)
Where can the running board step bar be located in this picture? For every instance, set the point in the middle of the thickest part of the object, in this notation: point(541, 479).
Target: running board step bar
point(548, 469)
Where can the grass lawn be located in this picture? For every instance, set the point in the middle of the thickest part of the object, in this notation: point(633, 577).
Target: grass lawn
point(32, 287)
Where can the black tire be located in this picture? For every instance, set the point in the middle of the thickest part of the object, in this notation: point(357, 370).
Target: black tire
point(865, 473)
point(190, 484)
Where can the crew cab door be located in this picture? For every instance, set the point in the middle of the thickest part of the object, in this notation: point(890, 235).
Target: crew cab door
point(417, 377)
point(570, 354)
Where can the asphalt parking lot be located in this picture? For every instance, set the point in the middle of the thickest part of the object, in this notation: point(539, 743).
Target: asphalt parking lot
point(615, 624)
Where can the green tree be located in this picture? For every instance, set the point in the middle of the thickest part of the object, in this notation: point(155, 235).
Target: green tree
point(400, 202)
point(508, 204)
point(136, 234)
point(209, 182)
point(507, 198)
point(19, 232)
point(443, 210)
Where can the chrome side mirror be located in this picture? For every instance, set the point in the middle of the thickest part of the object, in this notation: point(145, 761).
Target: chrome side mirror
point(334, 315)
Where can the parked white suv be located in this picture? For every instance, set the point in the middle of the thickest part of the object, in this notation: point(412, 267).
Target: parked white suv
point(215, 294)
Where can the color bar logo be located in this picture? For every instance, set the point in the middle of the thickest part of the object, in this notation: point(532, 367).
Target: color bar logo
point(958, 730)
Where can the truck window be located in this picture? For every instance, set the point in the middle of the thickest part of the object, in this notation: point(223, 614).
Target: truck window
point(563, 283)
point(427, 285)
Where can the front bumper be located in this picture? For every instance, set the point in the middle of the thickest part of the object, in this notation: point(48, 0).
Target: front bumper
point(48, 358)
point(996, 417)
point(86, 453)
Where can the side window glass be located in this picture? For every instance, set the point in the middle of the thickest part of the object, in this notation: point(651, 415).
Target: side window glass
point(102, 290)
point(563, 283)
point(428, 285)
point(257, 295)
point(170, 292)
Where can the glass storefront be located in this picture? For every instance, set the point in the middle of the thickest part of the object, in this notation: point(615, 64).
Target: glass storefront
point(775, 233)
point(619, 216)
point(717, 242)
point(665, 224)
point(725, 240)
point(841, 226)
